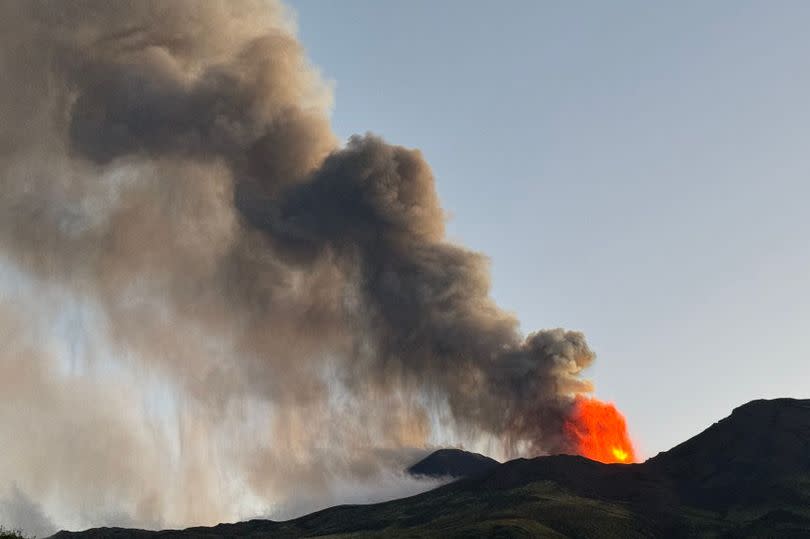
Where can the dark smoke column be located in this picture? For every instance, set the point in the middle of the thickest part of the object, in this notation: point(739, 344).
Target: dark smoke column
point(425, 304)
point(164, 84)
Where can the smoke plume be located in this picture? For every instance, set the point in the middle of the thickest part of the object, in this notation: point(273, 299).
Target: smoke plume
point(211, 307)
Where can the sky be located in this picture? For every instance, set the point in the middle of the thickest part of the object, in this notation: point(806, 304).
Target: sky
point(634, 170)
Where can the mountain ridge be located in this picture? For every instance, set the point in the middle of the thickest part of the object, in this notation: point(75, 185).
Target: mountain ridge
point(747, 475)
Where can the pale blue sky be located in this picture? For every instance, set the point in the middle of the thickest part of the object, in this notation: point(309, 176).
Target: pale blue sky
point(637, 170)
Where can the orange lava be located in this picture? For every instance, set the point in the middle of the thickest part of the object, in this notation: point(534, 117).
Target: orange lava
point(598, 431)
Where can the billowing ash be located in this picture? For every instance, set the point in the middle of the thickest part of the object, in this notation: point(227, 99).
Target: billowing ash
point(210, 307)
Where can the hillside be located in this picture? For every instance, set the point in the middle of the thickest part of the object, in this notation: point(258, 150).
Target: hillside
point(745, 476)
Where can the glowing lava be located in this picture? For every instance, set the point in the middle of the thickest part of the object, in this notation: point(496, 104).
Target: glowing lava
point(597, 430)
point(620, 454)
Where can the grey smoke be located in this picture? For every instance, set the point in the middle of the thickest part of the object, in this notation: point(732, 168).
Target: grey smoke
point(19, 512)
point(169, 176)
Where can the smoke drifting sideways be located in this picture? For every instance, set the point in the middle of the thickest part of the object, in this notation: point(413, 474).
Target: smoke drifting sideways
point(211, 308)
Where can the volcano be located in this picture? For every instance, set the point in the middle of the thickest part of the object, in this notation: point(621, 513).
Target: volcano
point(747, 475)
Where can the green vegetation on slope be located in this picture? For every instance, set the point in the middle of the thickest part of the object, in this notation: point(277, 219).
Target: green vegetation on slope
point(540, 509)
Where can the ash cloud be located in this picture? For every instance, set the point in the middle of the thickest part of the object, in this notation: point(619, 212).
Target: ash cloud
point(282, 309)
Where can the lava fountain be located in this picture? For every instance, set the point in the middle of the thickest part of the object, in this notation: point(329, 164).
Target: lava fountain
point(598, 431)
